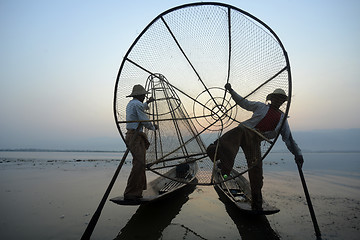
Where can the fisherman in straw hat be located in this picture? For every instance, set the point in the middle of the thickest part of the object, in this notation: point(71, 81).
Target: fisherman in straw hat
point(266, 119)
point(137, 140)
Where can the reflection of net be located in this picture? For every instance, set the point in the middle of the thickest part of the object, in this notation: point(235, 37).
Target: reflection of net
point(199, 48)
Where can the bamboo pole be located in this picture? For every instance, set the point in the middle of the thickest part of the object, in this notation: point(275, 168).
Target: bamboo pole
point(91, 226)
point(311, 209)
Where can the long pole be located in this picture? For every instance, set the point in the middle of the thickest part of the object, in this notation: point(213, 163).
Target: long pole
point(90, 227)
point(311, 209)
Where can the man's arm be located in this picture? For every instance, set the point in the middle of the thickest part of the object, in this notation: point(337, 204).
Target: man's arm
point(242, 102)
point(140, 109)
point(291, 144)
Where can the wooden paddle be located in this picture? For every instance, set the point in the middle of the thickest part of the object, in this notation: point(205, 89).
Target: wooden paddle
point(311, 209)
point(90, 227)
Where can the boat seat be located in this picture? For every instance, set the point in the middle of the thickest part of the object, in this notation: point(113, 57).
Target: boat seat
point(169, 186)
point(231, 184)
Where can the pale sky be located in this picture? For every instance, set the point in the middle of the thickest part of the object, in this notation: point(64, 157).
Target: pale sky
point(59, 61)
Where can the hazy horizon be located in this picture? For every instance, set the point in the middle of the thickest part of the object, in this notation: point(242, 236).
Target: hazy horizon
point(331, 140)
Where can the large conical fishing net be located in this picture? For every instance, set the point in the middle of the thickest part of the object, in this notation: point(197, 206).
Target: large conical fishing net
point(184, 57)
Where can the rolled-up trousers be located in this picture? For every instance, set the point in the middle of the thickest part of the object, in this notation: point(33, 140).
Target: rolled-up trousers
point(229, 145)
point(137, 143)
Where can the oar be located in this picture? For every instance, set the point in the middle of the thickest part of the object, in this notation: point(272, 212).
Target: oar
point(311, 209)
point(90, 227)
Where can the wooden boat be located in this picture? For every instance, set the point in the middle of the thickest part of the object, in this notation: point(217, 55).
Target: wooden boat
point(162, 187)
point(238, 191)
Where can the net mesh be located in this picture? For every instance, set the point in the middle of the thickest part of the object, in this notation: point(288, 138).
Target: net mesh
point(184, 58)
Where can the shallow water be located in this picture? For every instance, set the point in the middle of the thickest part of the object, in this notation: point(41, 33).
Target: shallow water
point(53, 196)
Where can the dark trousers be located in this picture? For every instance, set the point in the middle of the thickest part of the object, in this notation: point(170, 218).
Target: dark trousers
point(227, 148)
point(137, 143)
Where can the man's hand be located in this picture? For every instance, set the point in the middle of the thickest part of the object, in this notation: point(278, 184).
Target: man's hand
point(150, 100)
point(228, 87)
point(156, 127)
point(299, 160)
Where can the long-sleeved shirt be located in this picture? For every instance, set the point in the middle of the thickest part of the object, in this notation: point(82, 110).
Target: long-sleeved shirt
point(259, 110)
point(135, 112)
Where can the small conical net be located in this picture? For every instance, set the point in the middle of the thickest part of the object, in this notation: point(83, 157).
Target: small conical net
point(177, 139)
point(184, 57)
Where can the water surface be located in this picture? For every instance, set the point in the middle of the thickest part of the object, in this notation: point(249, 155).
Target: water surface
point(53, 196)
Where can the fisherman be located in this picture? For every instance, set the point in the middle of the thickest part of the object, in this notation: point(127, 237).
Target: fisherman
point(137, 141)
point(266, 119)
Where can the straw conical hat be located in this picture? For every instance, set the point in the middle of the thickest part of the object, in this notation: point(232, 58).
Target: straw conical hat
point(278, 91)
point(138, 90)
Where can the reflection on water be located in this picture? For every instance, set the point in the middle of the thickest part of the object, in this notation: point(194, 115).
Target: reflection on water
point(52, 196)
point(151, 219)
point(251, 227)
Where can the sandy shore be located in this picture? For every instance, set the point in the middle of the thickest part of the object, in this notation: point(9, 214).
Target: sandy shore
point(55, 200)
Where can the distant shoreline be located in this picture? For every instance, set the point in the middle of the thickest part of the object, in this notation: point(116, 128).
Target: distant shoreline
point(121, 151)
point(57, 150)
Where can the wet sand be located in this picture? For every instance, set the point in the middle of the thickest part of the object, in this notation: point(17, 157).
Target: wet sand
point(51, 199)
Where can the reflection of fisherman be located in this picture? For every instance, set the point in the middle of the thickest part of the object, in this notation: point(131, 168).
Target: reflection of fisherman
point(266, 119)
point(137, 141)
